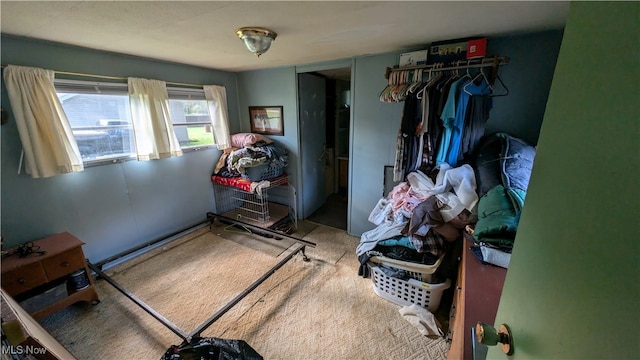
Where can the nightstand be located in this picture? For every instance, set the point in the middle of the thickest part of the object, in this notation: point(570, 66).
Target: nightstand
point(46, 279)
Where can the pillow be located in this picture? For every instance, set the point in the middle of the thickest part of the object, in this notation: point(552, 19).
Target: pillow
point(241, 140)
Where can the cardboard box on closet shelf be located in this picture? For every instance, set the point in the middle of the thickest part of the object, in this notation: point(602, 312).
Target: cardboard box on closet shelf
point(456, 50)
point(477, 48)
point(413, 58)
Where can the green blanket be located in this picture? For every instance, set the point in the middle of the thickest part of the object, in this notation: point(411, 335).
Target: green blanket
point(498, 216)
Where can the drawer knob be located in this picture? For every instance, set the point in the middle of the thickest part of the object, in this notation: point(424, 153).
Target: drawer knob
point(22, 281)
point(65, 264)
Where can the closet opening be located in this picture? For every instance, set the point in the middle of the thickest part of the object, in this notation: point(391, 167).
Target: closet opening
point(337, 104)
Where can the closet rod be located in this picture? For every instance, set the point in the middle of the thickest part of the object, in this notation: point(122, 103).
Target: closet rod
point(112, 77)
point(486, 62)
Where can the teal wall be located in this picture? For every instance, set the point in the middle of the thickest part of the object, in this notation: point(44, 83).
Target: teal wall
point(375, 124)
point(528, 77)
point(111, 207)
point(273, 87)
point(117, 206)
point(573, 285)
point(374, 128)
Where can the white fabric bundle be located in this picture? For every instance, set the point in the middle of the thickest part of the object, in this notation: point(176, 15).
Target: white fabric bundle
point(422, 319)
point(455, 187)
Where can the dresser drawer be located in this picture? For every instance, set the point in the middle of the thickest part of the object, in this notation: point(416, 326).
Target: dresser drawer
point(63, 264)
point(23, 278)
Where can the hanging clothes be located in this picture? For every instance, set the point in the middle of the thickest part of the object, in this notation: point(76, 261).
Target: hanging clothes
point(442, 122)
point(467, 90)
point(430, 126)
point(474, 125)
point(408, 141)
point(437, 101)
point(448, 118)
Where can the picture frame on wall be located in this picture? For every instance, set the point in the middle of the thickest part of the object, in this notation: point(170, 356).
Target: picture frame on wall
point(266, 120)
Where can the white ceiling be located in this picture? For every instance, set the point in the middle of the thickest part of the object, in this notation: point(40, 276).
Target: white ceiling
point(202, 33)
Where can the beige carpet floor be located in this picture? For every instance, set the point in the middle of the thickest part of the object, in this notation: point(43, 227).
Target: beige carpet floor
point(319, 309)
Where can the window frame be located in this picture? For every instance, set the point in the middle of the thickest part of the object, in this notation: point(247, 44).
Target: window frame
point(191, 93)
point(72, 86)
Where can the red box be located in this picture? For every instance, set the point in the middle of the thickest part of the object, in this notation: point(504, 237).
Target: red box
point(477, 48)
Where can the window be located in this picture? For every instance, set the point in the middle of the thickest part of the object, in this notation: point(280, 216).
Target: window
point(100, 118)
point(190, 117)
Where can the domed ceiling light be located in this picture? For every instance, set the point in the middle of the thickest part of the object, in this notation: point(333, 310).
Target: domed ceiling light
point(257, 40)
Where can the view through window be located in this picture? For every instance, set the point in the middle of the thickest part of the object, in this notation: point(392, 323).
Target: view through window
point(191, 122)
point(100, 118)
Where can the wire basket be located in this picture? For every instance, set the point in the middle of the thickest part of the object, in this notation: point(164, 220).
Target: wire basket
point(406, 293)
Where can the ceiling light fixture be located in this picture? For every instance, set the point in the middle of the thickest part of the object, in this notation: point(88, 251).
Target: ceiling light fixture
point(257, 40)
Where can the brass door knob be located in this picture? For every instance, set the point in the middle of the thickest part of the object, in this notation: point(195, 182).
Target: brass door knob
point(488, 335)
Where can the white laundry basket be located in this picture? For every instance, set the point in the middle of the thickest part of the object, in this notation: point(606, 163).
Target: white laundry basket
point(415, 290)
point(416, 271)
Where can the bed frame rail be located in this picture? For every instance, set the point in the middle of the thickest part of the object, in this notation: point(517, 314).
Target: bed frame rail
point(211, 217)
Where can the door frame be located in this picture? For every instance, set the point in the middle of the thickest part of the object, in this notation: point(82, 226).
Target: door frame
point(350, 63)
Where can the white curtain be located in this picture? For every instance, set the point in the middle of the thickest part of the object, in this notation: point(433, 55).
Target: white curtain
point(154, 135)
point(47, 140)
point(217, 102)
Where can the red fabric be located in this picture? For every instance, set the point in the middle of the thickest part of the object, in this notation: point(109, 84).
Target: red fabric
point(240, 182)
point(237, 182)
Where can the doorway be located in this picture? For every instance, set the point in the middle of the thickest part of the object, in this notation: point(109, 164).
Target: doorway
point(336, 148)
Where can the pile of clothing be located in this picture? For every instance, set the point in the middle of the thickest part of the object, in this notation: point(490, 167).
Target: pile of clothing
point(417, 219)
point(503, 168)
point(249, 150)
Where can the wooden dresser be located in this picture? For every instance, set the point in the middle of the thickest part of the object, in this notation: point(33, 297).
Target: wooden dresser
point(37, 275)
point(476, 298)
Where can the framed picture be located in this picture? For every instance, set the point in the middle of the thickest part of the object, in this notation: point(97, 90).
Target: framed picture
point(266, 120)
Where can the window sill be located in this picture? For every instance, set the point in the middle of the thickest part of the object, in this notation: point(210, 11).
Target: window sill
point(118, 160)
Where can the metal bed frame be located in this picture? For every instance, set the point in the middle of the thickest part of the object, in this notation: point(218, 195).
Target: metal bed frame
point(211, 218)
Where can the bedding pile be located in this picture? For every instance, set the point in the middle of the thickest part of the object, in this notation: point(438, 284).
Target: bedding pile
point(503, 169)
point(249, 150)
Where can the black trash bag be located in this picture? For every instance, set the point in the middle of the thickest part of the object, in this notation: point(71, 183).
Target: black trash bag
point(212, 349)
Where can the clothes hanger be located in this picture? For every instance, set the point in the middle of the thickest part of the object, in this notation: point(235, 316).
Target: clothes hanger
point(436, 78)
point(396, 85)
point(408, 89)
point(396, 79)
point(399, 89)
point(502, 84)
point(467, 72)
point(495, 75)
point(408, 84)
point(233, 227)
point(394, 92)
point(421, 92)
point(385, 92)
point(452, 76)
point(417, 81)
point(472, 81)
